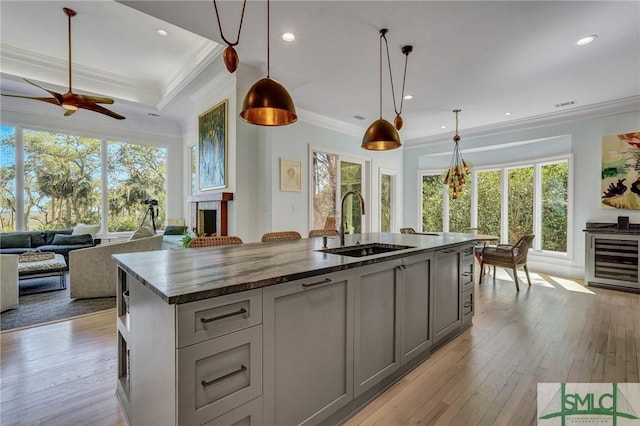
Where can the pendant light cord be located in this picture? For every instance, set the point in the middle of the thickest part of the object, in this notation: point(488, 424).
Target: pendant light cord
point(405, 50)
point(268, 40)
point(382, 33)
point(215, 5)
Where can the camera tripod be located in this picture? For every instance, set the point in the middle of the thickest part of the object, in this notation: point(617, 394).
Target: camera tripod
point(153, 212)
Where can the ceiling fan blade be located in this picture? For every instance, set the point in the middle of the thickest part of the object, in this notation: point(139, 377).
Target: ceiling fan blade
point(101, 110)
point(57, 96)
point(49, 100)
point(69, 112)
point(93, 99)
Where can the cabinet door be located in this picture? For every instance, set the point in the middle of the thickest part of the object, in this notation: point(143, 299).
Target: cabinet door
point(447, 315)
point(308, 350)
point(416, 307)
point(377, 326)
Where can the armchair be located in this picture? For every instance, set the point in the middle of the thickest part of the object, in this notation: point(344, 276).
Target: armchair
point(507, 256)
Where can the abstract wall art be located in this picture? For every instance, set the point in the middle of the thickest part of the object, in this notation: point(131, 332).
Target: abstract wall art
point(212, 147)
point(621, 171)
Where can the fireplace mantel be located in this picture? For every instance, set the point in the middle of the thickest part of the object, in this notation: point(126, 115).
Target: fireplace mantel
point(214, 201)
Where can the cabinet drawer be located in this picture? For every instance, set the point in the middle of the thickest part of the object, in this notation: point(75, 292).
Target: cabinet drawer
point(206, 319)
point(467, 273)
point(249, 414)
point(219, 375)
point(468, 306)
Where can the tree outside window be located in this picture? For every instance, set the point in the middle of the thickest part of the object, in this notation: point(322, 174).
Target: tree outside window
point(460, 209)
point(520, 203)
point(7, 179)
point(489, 201)
point(432, 203)
point(555, 189)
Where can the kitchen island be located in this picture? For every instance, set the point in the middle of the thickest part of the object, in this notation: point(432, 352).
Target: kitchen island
point(283, 333)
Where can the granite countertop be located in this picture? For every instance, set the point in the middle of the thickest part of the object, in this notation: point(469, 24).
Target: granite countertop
point(182, 276)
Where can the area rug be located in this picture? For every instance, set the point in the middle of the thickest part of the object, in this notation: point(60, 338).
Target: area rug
point(43, 307)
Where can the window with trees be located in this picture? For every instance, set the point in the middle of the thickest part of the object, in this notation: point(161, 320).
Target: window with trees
point(510, 202)
point(68, 179)
point(432, 203)
point(332, 176)
point(489, 201)
point(387, 200)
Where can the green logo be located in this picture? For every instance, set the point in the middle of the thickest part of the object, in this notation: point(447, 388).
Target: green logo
point(584, 402)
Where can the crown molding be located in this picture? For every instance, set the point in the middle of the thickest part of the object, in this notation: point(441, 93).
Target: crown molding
point(208, 53)
point(617, 106)
point(49, 70)
point(329, 123)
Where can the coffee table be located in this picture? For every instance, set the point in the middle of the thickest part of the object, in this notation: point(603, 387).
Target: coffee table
point(44, 268)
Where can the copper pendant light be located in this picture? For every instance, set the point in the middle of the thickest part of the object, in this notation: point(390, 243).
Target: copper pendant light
point(455, 176)
point(230, 56)
point(381, 135)
point(267, 102)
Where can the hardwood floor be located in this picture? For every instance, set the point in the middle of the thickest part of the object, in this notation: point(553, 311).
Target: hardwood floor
point(554, 331)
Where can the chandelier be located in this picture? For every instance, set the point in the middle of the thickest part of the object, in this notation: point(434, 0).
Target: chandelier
point(458, 169)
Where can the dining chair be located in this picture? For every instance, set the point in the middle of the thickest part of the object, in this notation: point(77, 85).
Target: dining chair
point(407, 231)
point(214, 241)
point(323, 233)
point(508, 256)
point(281, 236)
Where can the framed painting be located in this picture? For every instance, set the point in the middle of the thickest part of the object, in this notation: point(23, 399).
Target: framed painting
point(212, 147)
point(621, 171)
point(290, 175)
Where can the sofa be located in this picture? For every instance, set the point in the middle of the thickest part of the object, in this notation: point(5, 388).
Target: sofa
point(92, 271)
point(59, 242)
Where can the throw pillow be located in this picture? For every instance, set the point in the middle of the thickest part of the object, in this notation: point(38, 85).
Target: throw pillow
point(15, 240)
point(82, 229)
point(68, 240)
point(174, 230)
point(141, 232)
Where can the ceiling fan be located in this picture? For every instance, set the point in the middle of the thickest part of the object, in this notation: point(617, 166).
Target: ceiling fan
point(70, 101)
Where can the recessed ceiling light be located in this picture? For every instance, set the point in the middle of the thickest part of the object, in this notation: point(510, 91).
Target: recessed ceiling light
point(507, 113)
point(586, 40)
point(443, 127)
point(288, 36)
point(408, 97)
point(162, 32)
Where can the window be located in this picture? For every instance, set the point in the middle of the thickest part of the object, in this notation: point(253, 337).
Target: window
point(511, 201)
point(555, 193)
point(520, 203)
point(325, 182)
point(68, 180)
point(7, 179)
point(489, 201)
point(460, 210)
point(387, 200)
point(135, 173)
point(61, 180)
point(332, 176)
point(432, 203)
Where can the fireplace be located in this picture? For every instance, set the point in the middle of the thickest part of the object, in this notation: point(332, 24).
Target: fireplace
point(209, 213)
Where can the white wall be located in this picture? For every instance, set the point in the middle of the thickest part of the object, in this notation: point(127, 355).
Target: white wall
point(283, 210)
point(583, 138)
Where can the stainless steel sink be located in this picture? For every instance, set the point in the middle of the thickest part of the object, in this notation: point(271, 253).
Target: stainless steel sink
point(361, 250)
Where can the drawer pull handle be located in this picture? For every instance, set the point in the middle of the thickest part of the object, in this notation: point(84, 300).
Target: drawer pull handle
point(326, 280)
point(230, 314)
point(466, 274)
point(205, 384)
point(468, 304)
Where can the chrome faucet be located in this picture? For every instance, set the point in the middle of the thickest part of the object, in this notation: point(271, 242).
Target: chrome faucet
point(342, 220)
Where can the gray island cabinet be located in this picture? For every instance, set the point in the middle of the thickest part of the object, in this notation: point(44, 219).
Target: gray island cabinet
point(282, 333)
